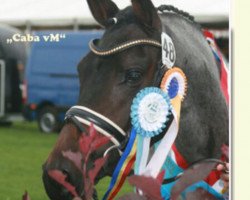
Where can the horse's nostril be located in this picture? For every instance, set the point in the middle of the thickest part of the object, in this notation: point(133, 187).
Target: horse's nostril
point(65, 171)
point(67, 174)
point(71, 174)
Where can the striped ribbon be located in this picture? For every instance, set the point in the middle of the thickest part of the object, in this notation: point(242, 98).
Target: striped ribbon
point(224, 70)
point(123, 168)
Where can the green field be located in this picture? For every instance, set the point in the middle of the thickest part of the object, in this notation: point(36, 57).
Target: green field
point(23, 149)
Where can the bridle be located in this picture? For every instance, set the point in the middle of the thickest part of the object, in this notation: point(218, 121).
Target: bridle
point(81, 115)
point(86, 116)
point(126, 45)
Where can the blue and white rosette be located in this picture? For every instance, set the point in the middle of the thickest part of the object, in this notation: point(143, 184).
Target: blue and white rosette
point(149, 112)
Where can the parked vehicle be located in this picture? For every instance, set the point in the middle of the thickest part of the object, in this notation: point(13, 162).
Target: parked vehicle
point(51, 81)
point(12, 61)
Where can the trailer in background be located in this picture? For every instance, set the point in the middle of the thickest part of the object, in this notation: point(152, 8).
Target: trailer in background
point(12, 61)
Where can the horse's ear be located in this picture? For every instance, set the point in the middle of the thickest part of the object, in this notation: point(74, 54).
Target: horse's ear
point(102, 10)
point(146, 13)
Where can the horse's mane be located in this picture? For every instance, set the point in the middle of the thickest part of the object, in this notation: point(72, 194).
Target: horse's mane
point(169, 8)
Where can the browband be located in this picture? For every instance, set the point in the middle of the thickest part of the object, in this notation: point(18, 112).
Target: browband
point(106, 52)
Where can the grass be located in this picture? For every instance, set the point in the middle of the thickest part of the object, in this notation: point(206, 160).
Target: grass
point(23, 149)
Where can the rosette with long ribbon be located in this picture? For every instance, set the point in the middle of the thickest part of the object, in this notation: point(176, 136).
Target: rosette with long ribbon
point(149, 112)
point(173, 85)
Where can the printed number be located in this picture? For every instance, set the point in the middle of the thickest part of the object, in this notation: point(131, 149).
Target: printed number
point(169, 49)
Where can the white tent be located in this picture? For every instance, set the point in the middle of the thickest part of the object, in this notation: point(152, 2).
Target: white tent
point(68, 12)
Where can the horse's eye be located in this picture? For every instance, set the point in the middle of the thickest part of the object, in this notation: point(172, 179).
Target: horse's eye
point(133, 76)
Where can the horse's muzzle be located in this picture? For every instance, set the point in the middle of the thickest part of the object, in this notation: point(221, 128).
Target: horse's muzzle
point(55, 190)
point(81, 117)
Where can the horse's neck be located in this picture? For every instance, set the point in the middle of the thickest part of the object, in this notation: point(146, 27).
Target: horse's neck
point(204, 123)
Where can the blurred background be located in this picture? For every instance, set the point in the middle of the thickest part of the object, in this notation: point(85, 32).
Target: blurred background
point(28, 63)
point(39, 81)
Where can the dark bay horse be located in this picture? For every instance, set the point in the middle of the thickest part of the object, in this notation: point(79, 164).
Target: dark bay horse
point(109, 82)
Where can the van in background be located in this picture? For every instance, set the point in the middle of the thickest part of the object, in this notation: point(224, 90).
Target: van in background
point(51, 84)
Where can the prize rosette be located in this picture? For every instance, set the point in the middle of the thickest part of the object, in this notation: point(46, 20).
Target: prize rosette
point(149, 111)
point(174, 82)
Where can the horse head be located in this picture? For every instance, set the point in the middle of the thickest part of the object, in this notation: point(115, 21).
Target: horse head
point(126, 59)
point(108, 84)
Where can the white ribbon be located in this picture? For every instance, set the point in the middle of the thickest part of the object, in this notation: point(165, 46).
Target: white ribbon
point(157, 160)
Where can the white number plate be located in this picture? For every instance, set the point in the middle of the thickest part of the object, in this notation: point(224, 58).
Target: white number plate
point(168, 50)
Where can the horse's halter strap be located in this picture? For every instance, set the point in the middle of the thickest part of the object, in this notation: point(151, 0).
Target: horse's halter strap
point(82, 115)
point(121, 47)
